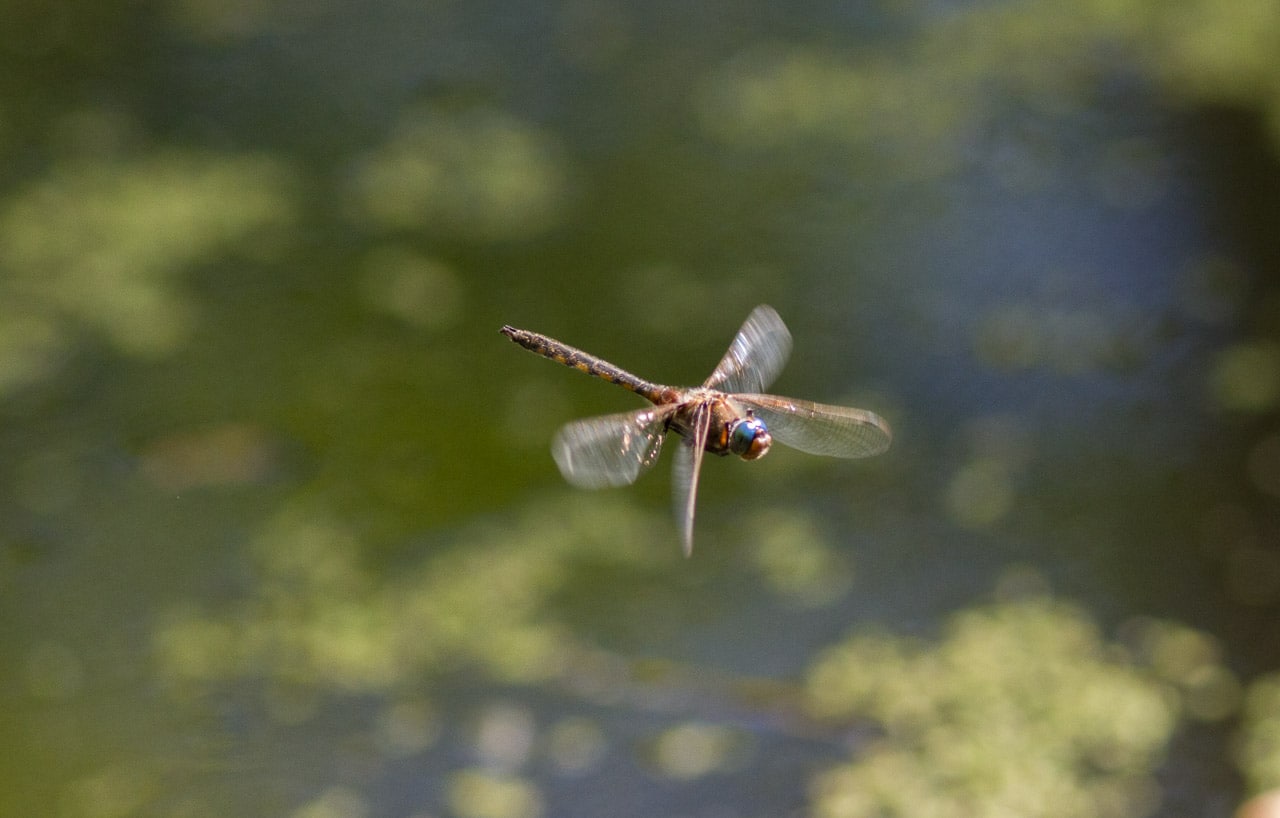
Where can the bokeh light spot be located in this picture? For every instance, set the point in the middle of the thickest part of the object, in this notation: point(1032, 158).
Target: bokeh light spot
point(476, 794)
point(229, 454)
point(504, 735)
point(335, 802)
point(1246, 377)
point(417, 289)
point(796, 560)
point(576, 745)
point(114, 792)
point(1211, 693)
point(480, 173)
point(980, 494)
point(694, 749)
point(407, 728)
point(1259, 747)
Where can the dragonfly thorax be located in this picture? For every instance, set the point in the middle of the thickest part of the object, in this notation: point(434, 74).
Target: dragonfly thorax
point(728, 427)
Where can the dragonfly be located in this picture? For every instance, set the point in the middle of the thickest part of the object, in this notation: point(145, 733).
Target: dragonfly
point(728, 414)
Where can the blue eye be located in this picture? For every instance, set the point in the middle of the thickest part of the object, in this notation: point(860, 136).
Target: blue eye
point(749, 438)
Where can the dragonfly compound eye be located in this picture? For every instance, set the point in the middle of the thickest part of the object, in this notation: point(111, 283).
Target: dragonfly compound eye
point(749, 438)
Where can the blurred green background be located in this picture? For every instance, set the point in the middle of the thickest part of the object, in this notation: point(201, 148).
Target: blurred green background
point(281, 534)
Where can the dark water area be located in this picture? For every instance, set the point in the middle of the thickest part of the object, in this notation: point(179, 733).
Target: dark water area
point(281, 530)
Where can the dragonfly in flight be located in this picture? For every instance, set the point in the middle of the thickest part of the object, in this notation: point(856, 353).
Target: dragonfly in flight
point(728, 414)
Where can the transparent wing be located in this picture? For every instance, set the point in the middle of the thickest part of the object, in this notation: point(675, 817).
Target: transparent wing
point(816, 428)
point(688, 462)
point(610, 450)
point(757, 355)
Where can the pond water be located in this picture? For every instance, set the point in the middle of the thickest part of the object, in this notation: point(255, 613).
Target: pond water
point(282, 531)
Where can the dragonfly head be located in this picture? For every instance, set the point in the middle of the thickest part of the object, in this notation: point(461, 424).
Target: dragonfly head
point(749, 438)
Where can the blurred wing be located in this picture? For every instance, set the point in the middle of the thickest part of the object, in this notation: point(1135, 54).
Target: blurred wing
point(757, 355)
point(816, 428)
point(688, 462)
point(610, 450)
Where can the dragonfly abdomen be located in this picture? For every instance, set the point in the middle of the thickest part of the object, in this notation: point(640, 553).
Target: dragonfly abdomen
point(585, 362)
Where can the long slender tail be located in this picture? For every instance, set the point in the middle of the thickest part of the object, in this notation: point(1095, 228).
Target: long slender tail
point(584, 362)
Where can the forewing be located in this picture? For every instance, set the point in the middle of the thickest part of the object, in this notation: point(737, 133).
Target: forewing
point(688, 463)
point(837, 431)
point(610, 450)
point(757, 355)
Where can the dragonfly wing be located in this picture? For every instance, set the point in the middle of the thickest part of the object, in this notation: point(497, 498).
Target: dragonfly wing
point(688, 463)
point(610, 450)
point(816, 428)
point(757, 355)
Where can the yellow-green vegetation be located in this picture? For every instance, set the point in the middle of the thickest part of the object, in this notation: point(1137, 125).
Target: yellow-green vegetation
point(102, 246)
point(918, 99)
point(1246, 377)
point(481, 174)
point(1021, 709)
point(1260, 744)
point(319, 619)
point(796, 560)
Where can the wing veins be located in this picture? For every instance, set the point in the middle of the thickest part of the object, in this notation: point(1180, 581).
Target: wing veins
point(610, 450)
point(817, 428)
point(756, 356)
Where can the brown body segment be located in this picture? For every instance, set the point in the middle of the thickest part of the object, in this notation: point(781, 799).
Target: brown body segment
point(586, 362)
